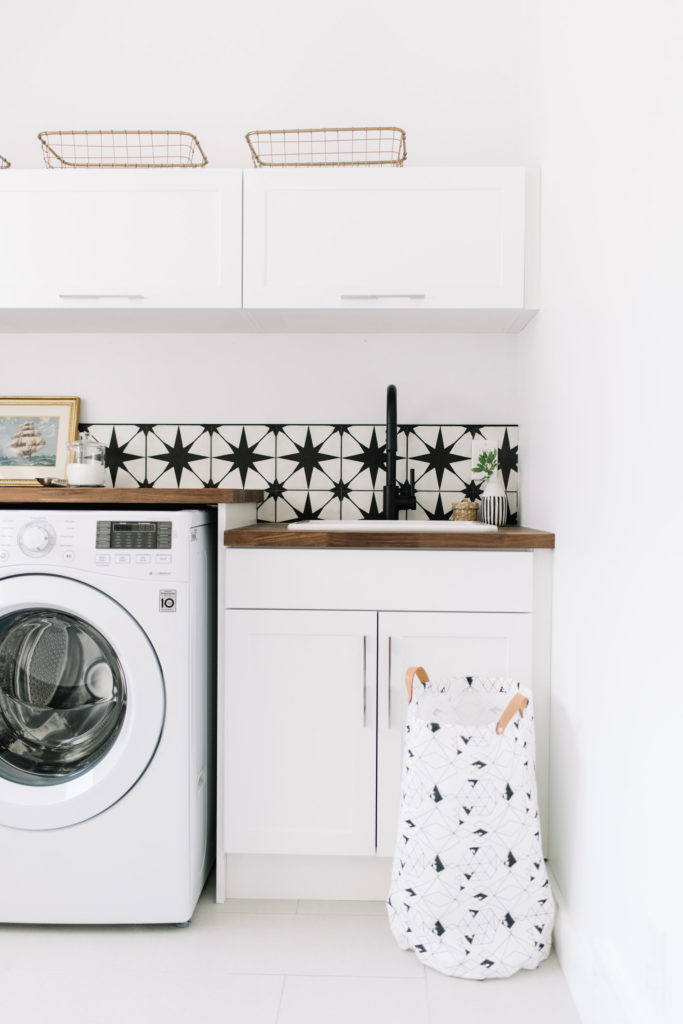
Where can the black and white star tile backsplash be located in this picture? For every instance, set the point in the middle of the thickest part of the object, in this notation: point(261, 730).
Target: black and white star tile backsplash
point(309, 471)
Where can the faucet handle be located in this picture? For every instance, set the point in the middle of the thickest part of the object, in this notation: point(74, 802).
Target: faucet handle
point(406, 493)
point(408, 489)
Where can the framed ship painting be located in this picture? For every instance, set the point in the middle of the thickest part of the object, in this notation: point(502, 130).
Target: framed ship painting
point(34, 433)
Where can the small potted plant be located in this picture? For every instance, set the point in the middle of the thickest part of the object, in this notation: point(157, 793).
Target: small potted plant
point(494, 502)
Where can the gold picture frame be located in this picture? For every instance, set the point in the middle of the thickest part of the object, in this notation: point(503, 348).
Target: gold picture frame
point(34, 433)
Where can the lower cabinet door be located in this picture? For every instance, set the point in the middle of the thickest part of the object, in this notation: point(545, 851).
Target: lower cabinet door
point(446, 644)
point(299, 733)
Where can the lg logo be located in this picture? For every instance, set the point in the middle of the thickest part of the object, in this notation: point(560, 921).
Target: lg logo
point(167, 600)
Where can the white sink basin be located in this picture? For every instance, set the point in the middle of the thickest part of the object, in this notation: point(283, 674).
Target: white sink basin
point(393, 526)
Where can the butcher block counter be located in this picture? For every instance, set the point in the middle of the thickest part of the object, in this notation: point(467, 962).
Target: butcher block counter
point(112, 496)
point(277, 535)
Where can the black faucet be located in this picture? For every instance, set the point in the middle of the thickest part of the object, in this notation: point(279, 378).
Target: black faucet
point(395, 497)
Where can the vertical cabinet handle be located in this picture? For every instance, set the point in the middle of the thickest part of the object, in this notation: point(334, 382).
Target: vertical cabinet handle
point(389, 687)
point(365, 677)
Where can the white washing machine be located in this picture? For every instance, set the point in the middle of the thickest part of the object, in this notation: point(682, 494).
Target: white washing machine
point(107, 673)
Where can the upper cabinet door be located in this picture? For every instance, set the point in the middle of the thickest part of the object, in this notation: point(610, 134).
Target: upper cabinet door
point(121, 239)
point(387, 238)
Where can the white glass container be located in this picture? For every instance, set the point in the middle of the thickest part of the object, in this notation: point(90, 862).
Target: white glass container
point(85, 467)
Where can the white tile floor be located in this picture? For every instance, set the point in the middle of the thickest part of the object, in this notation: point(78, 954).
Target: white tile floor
point(255, 962)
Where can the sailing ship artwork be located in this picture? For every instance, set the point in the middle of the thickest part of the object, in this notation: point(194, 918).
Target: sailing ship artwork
point(34, 436)
point(28, 442)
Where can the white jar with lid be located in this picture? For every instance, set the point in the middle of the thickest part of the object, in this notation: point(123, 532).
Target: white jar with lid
point(85, 467)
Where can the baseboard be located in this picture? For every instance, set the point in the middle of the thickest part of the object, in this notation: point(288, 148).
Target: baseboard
point(255, 876)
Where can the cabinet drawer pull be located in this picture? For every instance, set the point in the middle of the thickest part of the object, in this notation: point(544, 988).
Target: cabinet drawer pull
point(405, 295)
point(112, 296)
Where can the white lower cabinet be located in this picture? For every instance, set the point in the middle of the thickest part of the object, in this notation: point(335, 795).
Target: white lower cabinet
point(300, 732)
point(446, 644)
point(313, 708)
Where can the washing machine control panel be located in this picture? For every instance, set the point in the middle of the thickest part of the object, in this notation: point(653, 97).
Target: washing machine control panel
point(140, 536)
point(131, 547)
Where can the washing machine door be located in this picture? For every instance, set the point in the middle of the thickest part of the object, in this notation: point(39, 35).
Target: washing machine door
point(82, 701)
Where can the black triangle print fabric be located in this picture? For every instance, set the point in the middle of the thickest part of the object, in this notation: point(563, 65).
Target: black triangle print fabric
point(470, 891)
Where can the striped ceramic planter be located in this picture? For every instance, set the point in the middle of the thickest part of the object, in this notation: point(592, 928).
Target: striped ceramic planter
point(494, 502)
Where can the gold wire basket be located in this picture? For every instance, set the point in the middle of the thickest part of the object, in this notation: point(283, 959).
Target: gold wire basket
point(4, 164)
point(465, 511)
point(121, 149)
point(327, 147)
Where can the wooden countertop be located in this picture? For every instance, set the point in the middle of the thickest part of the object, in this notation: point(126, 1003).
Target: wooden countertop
point(126, 496)
point(276, 535)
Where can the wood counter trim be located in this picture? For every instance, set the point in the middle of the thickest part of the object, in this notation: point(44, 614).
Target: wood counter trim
point(265, 535)
point(126, 496)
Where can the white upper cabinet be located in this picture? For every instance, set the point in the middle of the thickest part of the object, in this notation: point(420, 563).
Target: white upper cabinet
point(312, 249)
point(121, 239)
point(446, 248)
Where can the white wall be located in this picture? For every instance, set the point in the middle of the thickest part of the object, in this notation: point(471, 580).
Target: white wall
point(600, 374)
point(446, 72)
point(211, 378)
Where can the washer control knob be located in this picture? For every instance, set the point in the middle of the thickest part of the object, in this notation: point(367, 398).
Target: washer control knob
point(36, 538)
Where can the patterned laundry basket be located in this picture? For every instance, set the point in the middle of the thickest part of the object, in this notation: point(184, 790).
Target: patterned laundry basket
point(470, 891)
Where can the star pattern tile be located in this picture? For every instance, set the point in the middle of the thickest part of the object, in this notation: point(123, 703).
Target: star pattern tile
point(436, 453)
point(363, 505)
point(178, 455)
point(436, 505)
point(125, 452)
point(363, 457)
point(119, 454)
point(308, 457)
point(310, 470)
point(243, 456)
point(507, 457)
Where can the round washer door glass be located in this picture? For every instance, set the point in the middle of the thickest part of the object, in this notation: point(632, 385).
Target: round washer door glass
point(62, 696)
point(82, 701)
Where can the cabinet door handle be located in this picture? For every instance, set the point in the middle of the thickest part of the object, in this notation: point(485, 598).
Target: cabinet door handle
point(398, 295)
point(112, 296)
point(389, 687)
point(365, 677)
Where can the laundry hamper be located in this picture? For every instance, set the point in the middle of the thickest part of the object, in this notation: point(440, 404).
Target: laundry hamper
point(470, 891)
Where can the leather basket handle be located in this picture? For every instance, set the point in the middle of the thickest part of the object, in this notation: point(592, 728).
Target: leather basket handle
point(518, 703)
point(411, 672)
